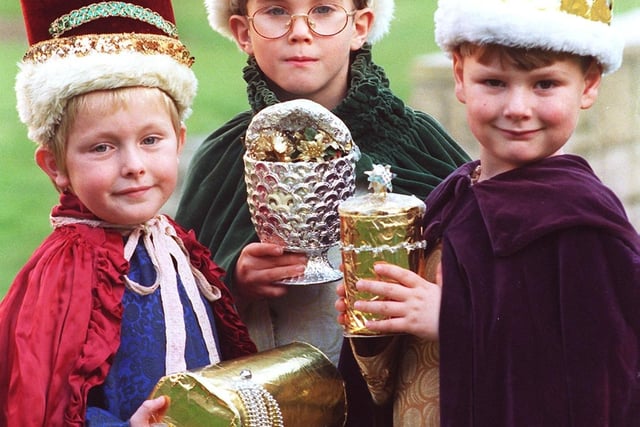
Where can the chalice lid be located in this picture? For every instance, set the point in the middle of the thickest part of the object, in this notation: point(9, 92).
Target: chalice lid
point(380, 201)
point(297, 130)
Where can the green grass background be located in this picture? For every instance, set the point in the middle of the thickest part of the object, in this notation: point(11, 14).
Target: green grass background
point(26, 195)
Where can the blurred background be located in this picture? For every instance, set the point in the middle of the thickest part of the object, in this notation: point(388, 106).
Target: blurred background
point(26, 195)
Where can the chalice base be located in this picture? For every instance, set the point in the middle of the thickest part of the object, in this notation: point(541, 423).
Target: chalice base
point(318, 271)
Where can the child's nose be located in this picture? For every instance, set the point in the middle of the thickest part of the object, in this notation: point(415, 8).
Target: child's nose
point(300, 27)
point(517, 104)
point(132, 162)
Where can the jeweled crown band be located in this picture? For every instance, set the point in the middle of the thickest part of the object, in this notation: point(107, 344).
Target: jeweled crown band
point(91, 44)
point(108, 9)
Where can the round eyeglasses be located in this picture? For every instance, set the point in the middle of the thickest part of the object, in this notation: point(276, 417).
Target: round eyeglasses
point(273, 22)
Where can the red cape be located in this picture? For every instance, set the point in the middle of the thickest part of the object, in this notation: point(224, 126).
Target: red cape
point(60, 320)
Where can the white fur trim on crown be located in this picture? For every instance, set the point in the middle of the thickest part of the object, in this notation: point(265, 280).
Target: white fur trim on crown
point(527, 25)
point(219, 12)
point(383, 11)
point(43, 89)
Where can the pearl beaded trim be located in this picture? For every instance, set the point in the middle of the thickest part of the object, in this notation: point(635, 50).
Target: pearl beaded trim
point(261, 407)
point(377, 249)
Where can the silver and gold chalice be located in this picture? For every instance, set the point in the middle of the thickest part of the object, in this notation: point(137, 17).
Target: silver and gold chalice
point(299, 166)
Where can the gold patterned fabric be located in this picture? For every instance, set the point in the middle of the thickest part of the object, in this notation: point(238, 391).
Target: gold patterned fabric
point(407, 371)
point(417, 401)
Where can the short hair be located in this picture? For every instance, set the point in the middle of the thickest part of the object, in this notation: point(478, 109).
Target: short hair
point(113, 98)
point(522, 58)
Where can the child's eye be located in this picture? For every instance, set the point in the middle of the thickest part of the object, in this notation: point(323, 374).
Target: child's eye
point(323, 9)
point(100, 148)
point(546, 84)
point(494, 83)
point(150, 140)
point(275, 11)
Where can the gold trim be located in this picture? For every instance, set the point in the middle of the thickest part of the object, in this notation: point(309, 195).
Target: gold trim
point(600, 10)
point(85, 45)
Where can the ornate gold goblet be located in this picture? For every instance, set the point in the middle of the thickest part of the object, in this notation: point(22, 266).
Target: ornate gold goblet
point(299, 166)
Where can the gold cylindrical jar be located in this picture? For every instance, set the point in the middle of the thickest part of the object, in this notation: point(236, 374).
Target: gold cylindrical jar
point(377, 227)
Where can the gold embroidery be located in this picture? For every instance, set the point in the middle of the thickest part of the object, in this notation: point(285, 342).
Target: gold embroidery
point(150, 44)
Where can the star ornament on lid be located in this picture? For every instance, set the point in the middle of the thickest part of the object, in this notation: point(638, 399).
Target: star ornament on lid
point(380, 179)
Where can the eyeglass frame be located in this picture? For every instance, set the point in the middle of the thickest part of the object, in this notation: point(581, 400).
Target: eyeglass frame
point(294, 16)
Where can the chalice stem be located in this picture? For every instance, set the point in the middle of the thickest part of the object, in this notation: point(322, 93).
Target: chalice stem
point(319, 270)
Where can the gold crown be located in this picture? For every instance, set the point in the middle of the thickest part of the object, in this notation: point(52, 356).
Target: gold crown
point(598, 10)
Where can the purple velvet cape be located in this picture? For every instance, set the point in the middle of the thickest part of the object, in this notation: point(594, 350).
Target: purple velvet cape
point(540, 315)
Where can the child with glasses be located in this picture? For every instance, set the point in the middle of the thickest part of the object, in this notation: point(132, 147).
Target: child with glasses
point(318, 50)
point(537, 313)
point(118, 295)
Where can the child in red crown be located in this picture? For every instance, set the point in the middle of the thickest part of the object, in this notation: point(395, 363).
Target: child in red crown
point(118, 295)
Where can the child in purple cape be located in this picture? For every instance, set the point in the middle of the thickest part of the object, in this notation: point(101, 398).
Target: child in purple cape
point(537, 317)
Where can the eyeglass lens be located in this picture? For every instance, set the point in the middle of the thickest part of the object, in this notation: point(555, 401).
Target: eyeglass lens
point(273, 22)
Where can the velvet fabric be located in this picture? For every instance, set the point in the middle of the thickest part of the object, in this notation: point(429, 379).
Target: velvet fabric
point(539, 322)
point(60, 320)
point(40, 14)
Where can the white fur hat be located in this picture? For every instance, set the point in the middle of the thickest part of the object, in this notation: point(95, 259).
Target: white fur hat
point(105, 46)
point(581, 27)
point(219, 12)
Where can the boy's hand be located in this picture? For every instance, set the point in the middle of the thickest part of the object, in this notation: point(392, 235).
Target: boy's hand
point(260, 264)
point(150, 412)
point(413, 303)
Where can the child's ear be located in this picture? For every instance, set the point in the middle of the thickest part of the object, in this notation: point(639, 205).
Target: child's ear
point(239, 26)
point(182, 137)
point(362, 20)
point(47, 162)
point(592, 79)
point(458, 75)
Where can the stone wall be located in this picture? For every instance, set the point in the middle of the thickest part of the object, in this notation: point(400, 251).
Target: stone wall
point(608, 134)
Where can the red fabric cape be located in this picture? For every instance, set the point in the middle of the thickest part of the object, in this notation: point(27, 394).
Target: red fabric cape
point(60, 320)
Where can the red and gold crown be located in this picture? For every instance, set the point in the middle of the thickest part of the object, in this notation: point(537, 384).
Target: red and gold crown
point(76, 46)
point(581, 27)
